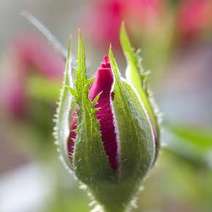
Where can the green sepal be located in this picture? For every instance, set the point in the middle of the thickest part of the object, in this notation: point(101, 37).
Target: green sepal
point(90, 162)
point(135, 72)
point(137, 147)
point(137, 77)
point(189, 143)
point(61, 131)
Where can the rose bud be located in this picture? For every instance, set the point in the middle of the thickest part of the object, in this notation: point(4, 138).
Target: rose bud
point(106, 128)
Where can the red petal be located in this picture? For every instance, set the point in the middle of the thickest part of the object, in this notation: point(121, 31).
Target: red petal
point(73, 134)
point(103, 84)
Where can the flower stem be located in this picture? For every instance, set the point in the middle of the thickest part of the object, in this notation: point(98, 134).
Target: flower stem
point(115, 208)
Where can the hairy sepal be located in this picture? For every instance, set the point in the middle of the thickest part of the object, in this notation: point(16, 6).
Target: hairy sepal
point(90, 162)
point(61, 130)
point(137, 78)
point(137, 147)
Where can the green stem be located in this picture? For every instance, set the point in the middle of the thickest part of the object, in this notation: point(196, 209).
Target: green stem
point(114, 198)
point(115, 208)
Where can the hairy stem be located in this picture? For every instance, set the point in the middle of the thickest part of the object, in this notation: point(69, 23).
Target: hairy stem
point(115, 208)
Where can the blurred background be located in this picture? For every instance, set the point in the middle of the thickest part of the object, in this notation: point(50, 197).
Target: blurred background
point(175, 38)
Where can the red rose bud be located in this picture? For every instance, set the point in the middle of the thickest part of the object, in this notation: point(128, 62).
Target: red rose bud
point(106, 128)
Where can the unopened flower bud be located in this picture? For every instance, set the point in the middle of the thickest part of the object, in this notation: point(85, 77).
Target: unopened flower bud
point(106, 128)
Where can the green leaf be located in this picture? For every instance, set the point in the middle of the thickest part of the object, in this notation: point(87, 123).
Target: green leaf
point(192, 144)
point(61, 130)
point(190, 135)
point(136, 77)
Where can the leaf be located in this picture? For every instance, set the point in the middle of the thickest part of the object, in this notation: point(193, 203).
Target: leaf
point(197, 137)
point(192, 144)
